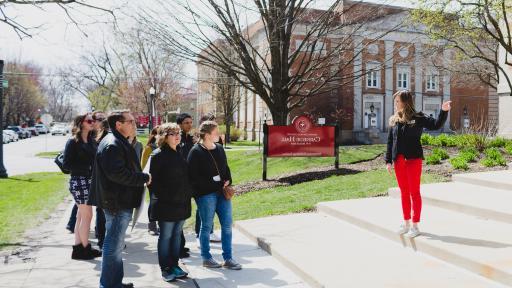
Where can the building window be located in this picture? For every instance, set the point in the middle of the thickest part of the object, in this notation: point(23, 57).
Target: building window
point(320, 46)
point(373, 75)
point(403, 78)
point(432, 81)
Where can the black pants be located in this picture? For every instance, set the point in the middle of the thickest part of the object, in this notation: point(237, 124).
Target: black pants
point(72, 218)
point(100, 226)
point(198, 224)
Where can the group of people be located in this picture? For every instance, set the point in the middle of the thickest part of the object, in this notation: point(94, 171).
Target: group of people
point(106, 163)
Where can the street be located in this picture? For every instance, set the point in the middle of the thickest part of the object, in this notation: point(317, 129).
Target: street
point(19, 157)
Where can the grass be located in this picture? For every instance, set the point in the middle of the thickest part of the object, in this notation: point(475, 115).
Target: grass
point(243, 143)
point(26, 200)
point(246, 166)
point(303, 197)
point(51, 154)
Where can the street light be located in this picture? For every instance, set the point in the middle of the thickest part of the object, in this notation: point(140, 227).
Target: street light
point(3, 171)
point(152, 114)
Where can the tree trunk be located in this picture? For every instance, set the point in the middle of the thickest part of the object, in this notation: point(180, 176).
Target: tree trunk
point(228, 130)
point(279, 114)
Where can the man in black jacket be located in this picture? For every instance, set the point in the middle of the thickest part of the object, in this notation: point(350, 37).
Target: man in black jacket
point(118, 182)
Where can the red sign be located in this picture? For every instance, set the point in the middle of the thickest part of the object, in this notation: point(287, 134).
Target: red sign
point(301, 139)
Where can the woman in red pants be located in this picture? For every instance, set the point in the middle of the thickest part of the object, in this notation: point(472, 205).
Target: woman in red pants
point(405, 152)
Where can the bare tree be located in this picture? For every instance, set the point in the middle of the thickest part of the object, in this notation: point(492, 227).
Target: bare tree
point(271, 60)
point(476, 30)
point(73, 9)
point(97, 78)
point(58, 97)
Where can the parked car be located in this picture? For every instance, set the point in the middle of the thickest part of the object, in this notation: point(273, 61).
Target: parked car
point(42, 129)
point(33, 131)
point(13, 135)
point(59, 129)
point(6, 138)
point(21, 133)
point(27, 132)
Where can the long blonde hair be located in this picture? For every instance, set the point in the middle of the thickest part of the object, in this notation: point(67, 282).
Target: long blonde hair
point(407, 113)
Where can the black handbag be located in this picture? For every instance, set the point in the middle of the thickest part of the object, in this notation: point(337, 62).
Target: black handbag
point(59, 160)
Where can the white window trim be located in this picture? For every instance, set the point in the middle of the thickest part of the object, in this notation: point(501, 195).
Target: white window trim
point(320, 47)
point(403, 70)
point(373, 67)
point(435, 74)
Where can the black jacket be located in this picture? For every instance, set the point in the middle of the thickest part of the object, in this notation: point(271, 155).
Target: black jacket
point(170, 188)
point(411, 135)
point(186, 144)
point(117, 178)
point(79, 157)
point(202, 169)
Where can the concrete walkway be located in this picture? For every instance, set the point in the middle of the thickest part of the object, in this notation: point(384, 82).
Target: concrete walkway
point(51, 266)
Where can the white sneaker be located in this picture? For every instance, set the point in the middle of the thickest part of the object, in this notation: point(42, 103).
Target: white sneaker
point(414, 232)
point(403, 229)
point(214, 238)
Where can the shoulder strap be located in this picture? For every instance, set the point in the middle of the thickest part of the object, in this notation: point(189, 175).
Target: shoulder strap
point(213, 159)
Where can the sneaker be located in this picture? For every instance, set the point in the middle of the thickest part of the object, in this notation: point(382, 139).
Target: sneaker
point(414, 232)
point(232, 265)
point(403, 229)
point(168, 275)
point(179, 273)
point(184, 254)
point(127, 285)
point(211, 263)
point(214, 238)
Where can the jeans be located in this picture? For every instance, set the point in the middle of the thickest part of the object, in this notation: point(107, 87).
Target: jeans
point(408, 176)
point(112, 263)
point(100, 226)
point(198, 223)
point(169, 243)
point(72, 218)
point(208, 205)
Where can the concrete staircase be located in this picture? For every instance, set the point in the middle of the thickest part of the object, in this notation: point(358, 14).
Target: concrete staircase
point(466, 238)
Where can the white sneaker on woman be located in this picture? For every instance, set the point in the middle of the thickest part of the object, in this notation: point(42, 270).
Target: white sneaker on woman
point(414, 232)
point(403, 229)
point(214, 238)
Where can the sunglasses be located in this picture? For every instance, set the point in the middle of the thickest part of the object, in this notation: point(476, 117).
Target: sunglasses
point(129, 121)
point(90, 121)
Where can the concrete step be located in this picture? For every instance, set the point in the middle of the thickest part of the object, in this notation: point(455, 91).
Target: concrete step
point(475, 200)
point(481, 246)
point(327, 252)
point(495, 179)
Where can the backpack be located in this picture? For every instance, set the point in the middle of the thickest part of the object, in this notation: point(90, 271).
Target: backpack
point(59, 160)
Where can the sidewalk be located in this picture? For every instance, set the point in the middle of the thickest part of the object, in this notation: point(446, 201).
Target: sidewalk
point(53, 267)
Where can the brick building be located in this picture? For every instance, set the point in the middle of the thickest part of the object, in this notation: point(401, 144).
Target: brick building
point(381, 67)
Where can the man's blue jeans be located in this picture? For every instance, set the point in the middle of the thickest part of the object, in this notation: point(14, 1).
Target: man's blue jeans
point(208, 205)
point(112, 264)
point(169, 243)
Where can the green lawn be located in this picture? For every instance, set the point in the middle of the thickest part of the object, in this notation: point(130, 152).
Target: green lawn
point(51, 154)
point(26, 200)
point(304, 196)
point(247, 165)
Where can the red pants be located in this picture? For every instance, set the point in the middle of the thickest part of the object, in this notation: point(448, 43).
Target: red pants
point(408, 175)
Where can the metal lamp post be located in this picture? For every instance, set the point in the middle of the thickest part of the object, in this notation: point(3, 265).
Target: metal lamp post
point(3, 171)
point(152, 114)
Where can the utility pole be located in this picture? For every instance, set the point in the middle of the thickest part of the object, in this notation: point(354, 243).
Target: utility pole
point(3, 171)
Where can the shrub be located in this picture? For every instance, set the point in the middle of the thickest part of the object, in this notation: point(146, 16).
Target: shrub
point(469, 154)
point(443, 154)
point(433, 159)
point(493, 157)
point(426, 139)
point(446, 140)
point(508, 148)
point(459, 163)
point(234, 133)
point(498, 142)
